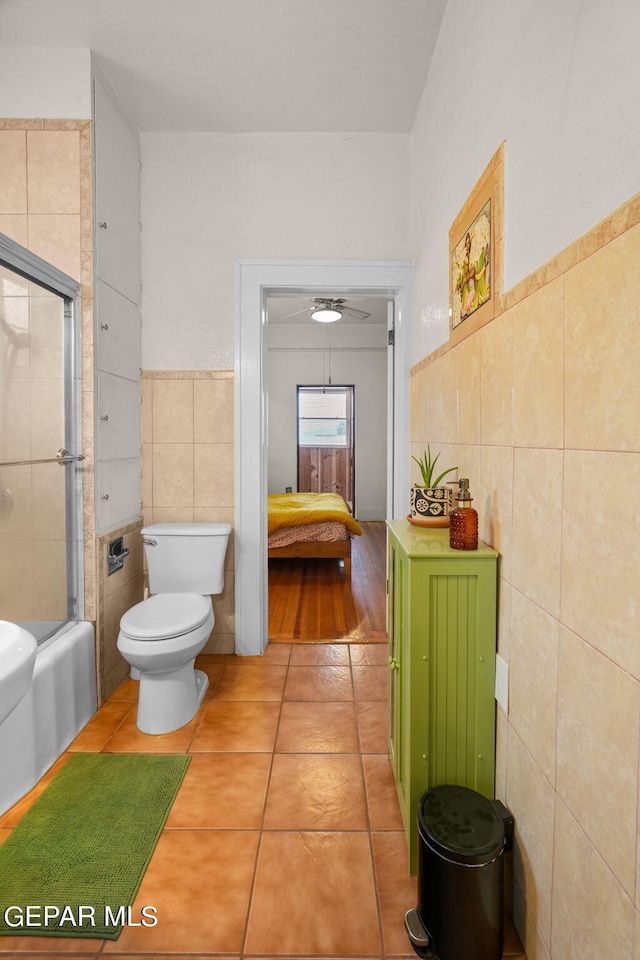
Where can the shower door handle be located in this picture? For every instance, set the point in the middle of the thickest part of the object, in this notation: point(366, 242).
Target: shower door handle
point(63, 456)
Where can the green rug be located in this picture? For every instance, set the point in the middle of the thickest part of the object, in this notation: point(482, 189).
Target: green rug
point(78, 856)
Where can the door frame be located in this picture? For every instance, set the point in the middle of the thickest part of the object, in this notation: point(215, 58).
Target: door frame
point(256, 280)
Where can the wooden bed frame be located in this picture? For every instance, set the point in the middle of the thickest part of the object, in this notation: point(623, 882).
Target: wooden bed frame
point(318, 549)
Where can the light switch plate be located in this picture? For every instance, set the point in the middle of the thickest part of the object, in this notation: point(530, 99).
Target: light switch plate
point(502, 683)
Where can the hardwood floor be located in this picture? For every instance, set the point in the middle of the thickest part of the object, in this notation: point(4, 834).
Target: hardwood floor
point(310, 600)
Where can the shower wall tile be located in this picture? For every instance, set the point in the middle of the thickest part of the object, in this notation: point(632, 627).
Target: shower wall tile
point(188, 464)
point(53, 171)
point(56, 238)
point(13, 163)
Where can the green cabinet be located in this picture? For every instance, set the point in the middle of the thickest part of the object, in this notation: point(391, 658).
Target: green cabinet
point(441, 621)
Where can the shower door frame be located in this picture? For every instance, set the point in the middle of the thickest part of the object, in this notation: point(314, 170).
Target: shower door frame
point(32, 267)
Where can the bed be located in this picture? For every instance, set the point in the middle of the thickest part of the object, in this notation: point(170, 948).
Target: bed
point(312, 525)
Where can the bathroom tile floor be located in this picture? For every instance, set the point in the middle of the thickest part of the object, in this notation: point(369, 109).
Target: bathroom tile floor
point(285, 838)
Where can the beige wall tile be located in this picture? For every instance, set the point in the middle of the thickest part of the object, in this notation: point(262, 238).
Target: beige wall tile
point(533, 680)
point(537, 364)
point(173, 514)
point(213, 411)
point(434, 426)
point(13, 163)
point(15, 440)
point(56, 238)
point(601, 553)
point(220, 643)
point(537, 524)
point(496, 381)
point(49, 518)
point(14, 226)
point(598, 708)
point(14, 359)
point(505, 594)
point(602, 348)
point(213, 474)
point(172, 475)
point(467, 369)
point(592, 915)
point(146, 413)
point(53, 171)
point(16, 581)
point(530, 936)
point(172, 414)
point(132, 568)
point(448, 373)
point(147, 474)
point(224, 606)
point(531, 800)
point(47, 417)
point(46, 327)
point(419, 405)
point(115, 606)
point(16, 496)
point(50, 579)
point(494, 502)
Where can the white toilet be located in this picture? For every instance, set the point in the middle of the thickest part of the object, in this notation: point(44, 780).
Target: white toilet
point(161, 637)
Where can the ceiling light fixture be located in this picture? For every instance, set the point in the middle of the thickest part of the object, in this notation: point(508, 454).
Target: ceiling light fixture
point(326, 312)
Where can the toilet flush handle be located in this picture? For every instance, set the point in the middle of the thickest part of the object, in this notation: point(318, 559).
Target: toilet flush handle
point(150, 541)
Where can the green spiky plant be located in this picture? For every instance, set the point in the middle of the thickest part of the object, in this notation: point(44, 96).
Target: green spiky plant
point(427, 465)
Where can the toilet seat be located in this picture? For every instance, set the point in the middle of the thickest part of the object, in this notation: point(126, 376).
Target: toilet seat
point(165, 615)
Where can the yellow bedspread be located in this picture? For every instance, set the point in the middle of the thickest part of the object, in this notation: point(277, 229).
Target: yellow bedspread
point(296, 509)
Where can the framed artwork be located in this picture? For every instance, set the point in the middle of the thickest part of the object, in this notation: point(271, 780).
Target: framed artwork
point(475, 254)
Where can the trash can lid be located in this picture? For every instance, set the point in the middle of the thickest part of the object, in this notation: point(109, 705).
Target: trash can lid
point(461, 825)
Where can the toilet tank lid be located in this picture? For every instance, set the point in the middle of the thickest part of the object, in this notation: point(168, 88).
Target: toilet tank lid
point(187, 530)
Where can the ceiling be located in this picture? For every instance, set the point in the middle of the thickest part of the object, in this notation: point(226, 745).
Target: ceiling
point(261, 66)
point(279, 310)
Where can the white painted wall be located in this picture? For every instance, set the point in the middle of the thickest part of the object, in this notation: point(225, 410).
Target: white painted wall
point(207, 199)
point(46, 82)
point(356, 354)
point(559, 82)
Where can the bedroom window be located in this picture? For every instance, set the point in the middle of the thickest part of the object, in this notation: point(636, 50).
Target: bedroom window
point(326, 437)
point(324, 416)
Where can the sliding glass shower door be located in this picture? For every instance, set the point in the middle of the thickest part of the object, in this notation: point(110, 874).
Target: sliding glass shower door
point(40, 468)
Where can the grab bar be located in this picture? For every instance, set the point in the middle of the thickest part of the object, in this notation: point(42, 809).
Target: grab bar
point(62, 457)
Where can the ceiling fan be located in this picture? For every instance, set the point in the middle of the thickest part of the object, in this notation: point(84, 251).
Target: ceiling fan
point(329, 309)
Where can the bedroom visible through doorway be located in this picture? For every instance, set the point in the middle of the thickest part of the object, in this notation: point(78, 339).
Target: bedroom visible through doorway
point(326, 440)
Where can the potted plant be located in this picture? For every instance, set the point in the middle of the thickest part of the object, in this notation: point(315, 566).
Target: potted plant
point(431, 501)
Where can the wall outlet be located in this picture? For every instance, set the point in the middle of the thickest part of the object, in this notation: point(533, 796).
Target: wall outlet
point(287, 490)
point(502, 683)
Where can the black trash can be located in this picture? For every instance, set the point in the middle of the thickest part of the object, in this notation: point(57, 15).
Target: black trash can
point(462, 839)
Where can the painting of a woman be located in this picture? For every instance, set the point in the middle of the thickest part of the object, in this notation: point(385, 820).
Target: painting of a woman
point(471, 262)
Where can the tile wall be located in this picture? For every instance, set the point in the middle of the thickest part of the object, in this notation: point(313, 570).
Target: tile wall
point(46, 205)
point(188, 464)
point(540, 409)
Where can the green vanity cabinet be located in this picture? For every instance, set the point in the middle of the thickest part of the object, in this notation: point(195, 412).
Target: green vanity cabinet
point(441, 621)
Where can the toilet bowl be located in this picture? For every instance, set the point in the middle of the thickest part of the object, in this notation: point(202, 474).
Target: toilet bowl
point(161, 636)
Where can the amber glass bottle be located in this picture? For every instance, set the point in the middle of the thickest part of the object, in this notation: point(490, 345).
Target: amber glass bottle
point(463, 521)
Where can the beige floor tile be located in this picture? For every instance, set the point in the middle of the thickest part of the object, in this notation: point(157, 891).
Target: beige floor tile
point(319, 683)
point(398, 892)
point(316, 792)
point(384, 809)
point(317, 727)
point(102, 726)
point(372, 717)
point(128, 739)
point(251, 683)
point(316, 654)
point(370, 654)
point(200, 883)
point(370, 682)
point(314, 894)
point(275, 654)
point(222, 791)
point(240, 726)
point(128, 690)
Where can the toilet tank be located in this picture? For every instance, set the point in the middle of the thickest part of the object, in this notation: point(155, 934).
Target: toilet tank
point(186, 557)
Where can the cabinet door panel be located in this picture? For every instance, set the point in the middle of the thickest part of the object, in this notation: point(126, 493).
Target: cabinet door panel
point(117, 199)
point(118, 492)
point(119, 403)
point(118, 333)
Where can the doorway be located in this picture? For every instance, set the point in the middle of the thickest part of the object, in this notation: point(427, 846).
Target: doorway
point(256, 281)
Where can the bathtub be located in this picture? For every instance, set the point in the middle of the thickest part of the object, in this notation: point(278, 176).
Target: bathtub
point(59, 702)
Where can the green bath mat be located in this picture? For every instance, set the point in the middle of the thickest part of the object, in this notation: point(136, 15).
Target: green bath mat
point(82, 849)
